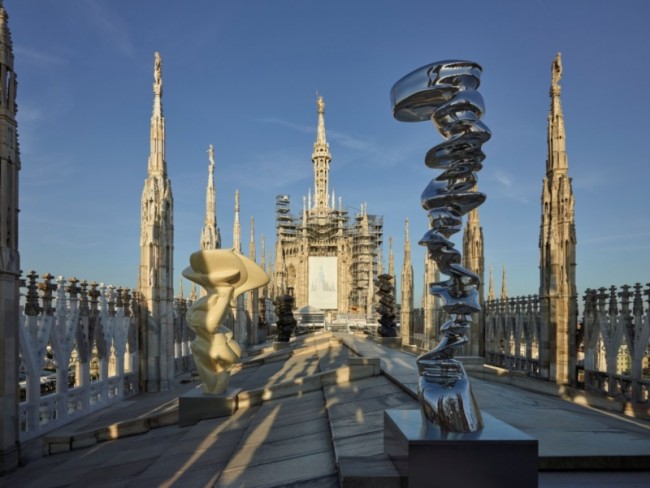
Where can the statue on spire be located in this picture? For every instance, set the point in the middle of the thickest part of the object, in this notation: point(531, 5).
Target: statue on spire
point(211, 154)
point(321, 104)
point(157, 69)
point(556, 70)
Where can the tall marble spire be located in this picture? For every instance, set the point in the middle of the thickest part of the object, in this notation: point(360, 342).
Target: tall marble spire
point(491, 295)
point(406, 320)
point(391, 258)
point(504, 285)
point(210, 236)
point(9, 255)
point(557, 243)
point(252, 300)
point(236, 228)
point(321, 158)
point(155, 286)
point(473, 250)
point(473, 260)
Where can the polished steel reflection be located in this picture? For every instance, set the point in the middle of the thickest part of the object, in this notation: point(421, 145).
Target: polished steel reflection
point(446, 93)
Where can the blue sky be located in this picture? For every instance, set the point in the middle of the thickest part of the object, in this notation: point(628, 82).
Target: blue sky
point(243, 76)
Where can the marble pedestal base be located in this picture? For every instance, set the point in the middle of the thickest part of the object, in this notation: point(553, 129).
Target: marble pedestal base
point(195, 405)
point(497, 456)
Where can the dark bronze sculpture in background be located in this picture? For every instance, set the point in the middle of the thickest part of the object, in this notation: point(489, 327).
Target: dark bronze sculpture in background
point(284, 311)
point(446, 93)
point(386, 308)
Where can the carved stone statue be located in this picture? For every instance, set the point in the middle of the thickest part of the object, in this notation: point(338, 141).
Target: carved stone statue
point(157, 69)
point(225, 274)
point(556, 70)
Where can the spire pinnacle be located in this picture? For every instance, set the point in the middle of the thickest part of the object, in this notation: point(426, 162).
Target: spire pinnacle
point(210, 238)
point(157, 85)
point(491, 295)
point(236, 231)
point(556, 133)
point(157, 163)
point(321, 158)
point(504, 286)
point(391, 257)
point(252, 239)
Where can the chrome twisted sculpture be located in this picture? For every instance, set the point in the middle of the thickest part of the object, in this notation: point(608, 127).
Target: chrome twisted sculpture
point(446, 93)
point(225, 274)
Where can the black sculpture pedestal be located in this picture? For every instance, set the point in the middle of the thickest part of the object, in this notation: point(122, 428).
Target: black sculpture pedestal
point(195, 405)
point(498, 456)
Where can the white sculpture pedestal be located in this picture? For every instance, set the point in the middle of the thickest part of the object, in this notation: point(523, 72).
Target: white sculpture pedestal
point(497, 456)
point(195, 405)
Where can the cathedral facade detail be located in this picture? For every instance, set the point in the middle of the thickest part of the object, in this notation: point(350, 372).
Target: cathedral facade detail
point(329, 258)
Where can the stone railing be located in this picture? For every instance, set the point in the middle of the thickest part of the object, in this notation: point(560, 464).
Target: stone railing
point(512, 331)
point(614, 343)
point(78, 351)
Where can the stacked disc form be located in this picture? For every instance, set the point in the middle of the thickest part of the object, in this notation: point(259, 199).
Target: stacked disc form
point(446, 93)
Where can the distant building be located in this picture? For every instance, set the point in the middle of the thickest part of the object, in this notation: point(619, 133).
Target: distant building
point(329, 258)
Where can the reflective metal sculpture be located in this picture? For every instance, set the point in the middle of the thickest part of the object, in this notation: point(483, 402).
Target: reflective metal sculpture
point(386, 307)
point(446, 93)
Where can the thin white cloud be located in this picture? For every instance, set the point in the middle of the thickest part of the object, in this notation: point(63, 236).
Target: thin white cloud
point(38, 57)
point(344, 140)
point(615, 237)
point(110, 27)
point(503, 178)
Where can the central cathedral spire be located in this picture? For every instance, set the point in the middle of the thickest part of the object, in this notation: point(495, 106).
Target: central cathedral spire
point(321, 158)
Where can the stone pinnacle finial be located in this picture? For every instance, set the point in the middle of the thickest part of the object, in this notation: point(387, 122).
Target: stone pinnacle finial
point(556, 70)
point(236, 239)
point(504, 286)
point(211, 155)
point(491, 295)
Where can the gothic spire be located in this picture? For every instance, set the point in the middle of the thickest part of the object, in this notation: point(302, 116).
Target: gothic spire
point(557, 245)
point(321, 159)
point(236, 229)
point(407, 289)
point(504, 286)
point(155, 282)
point(210, 238)
point(391, 258)
point(491, 295)
point(157, 163)
point(557, 160)
point(251, 245)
